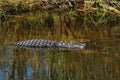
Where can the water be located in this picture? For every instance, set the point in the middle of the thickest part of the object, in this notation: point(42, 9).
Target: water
point(100, 60)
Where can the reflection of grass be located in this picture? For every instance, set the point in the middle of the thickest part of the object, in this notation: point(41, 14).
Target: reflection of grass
point(81, 66)
point(115, 31)
point(54, 65)
point(65, 24)
point(71, 24)
point(67, 65)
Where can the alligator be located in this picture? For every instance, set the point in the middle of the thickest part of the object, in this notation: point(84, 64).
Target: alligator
point(44, 44)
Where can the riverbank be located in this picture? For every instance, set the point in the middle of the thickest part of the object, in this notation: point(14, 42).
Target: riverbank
point(19, 7)
point(88, 16)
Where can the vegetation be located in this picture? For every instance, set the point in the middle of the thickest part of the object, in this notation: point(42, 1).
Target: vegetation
point(43, 14)
point(96, 23)
point(94, 13)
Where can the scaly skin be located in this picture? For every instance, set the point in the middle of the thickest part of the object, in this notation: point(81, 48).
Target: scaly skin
point(44, 44)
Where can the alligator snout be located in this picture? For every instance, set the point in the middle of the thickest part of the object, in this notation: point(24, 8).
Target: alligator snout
point(78, 45)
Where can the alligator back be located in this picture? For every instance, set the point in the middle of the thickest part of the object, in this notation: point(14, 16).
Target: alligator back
point(44, 44)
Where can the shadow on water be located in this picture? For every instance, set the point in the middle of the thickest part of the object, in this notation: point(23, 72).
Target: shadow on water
point(100, 60)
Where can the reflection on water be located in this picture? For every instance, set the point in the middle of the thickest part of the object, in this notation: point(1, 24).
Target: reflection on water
point(99, 61)
point(26, 64)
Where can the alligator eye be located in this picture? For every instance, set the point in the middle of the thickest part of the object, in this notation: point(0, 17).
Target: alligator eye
point(60, 44)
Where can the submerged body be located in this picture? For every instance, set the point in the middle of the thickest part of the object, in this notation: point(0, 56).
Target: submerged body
point(44, 44)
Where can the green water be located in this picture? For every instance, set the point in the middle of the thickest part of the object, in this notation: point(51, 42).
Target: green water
point(100, 60)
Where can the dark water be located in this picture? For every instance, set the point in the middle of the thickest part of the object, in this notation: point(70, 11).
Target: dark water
point(100, 60)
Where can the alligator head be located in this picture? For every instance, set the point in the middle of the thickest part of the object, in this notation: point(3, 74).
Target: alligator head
point(71, 45)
